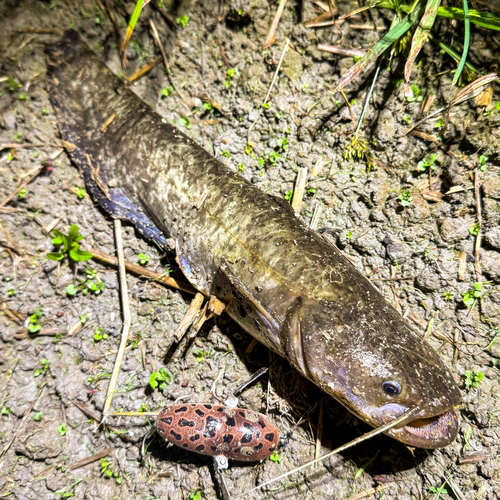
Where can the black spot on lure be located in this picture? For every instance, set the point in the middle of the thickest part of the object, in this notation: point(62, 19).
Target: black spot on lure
point(283, 283)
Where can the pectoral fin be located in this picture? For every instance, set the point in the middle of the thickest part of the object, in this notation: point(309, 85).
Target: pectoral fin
point(244, 308)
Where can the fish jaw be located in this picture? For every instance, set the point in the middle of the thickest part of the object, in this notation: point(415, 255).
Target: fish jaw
point(422, 429)
point(429, 432)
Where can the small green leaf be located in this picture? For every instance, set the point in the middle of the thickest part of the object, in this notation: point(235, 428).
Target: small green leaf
point(73, 232)
point(183, 21)
point(62, 430)
point(152, 380)
point(55, 256)
point(474, 230)
point(79, 255)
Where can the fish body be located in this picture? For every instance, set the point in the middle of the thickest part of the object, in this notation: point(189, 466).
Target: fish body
point(282, 282)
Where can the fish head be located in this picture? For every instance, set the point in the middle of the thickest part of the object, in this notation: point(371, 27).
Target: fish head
point(379, 369)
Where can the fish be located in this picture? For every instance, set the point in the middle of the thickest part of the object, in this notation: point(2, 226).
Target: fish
point(285, 284)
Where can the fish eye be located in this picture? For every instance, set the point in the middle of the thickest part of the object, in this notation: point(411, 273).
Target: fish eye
point(391, 388)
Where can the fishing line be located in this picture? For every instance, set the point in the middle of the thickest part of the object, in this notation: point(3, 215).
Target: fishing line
point(354, 442)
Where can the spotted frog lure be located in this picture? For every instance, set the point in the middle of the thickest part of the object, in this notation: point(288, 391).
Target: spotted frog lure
point(216, 430)
point(282, 282)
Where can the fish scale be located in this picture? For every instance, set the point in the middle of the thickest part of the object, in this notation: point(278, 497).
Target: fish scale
point(282, 282)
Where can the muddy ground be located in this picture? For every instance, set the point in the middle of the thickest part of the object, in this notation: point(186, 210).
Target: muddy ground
point(424, 251)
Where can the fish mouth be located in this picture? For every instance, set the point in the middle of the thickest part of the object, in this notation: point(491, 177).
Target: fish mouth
point(432, 432)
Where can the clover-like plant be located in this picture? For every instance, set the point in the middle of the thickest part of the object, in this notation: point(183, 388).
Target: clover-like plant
point(68, 244)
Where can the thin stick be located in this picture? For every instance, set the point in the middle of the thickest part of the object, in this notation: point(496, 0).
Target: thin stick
point(348, 105)
point(368, 98)
point(315, 217)
point(116, 29)
point(4, 307)
point(143, 354)
point(35, 173)
point(440, 110)
point(434, 140)
point(148, 67)
point(126, 316)
point(91, 459)
point(96, 418)
point(354, 442)
point(170, 20)
point(251, 346)
point(462, 265)
point(76, 465)
point(21, 186)
point(189, 317)
point(300, 186)
point(272, 30)
point(321, 21)
point(195, 328)
point(52, 225)
point(142, 271)
point(168, 69)
point(108, 122)
point(15, 246)
point(277, 70)
point(26, 415)
point(29, 145)
point(477, 246)
point(341, 51)
point(76, 327)
point(133, 413)
point(370, 492)
point(456, 340)
point(270, 88)
point(319, 435)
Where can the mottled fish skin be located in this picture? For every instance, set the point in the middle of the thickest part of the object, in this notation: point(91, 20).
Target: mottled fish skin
point(283, 283)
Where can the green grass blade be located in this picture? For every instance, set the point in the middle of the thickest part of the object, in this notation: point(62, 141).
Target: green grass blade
point(452, 53)
point(483, 19)
point(420, 37)
point(466, 43)
point(480, 18)
point(396, 32)
point(133, 21)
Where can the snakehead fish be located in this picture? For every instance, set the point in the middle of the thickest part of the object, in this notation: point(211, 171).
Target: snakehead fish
point(282, 282)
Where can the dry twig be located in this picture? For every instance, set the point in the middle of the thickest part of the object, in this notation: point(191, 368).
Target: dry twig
point(148, 67)
point(126, 316)
point(168, 69)
point(370, 492)
point(319, 434)
point(142, 271)
point(341, 51)
point(300, 186)
point(15, 246)
point(270, 87)
point(26, 415)
point(272, 30)
point(189, 317)
point(477, 246)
